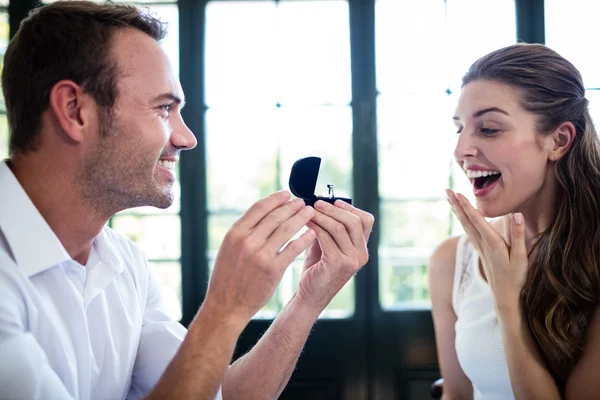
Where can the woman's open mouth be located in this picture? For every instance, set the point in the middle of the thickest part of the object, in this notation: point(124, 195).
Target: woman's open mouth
point(483, 181)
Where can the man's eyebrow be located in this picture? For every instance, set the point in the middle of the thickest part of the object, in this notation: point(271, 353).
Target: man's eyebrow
point(484, 111)
point(170, 97)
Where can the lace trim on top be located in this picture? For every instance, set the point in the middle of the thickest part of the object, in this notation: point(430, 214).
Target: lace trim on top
point(466, 276)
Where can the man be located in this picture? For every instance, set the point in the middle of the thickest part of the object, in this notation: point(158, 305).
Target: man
point(94, 111)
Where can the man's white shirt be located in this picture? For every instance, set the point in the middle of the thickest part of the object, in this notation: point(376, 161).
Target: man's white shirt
point(98, 331)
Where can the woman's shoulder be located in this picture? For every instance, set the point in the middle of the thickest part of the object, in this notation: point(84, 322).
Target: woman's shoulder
point(442, 261)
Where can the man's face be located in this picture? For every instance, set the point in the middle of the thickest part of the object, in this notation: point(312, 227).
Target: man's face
point(133, 161)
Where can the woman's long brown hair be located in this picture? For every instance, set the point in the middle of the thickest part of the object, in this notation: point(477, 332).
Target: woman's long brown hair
point(562, 288)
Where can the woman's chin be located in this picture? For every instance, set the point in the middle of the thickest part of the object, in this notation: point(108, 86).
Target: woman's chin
point(490, 210)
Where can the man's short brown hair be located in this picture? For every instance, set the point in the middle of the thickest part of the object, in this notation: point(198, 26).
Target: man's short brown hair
point(64, 40)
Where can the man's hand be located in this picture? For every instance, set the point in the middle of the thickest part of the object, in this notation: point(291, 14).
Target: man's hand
point(251, 261)
point(339, 251)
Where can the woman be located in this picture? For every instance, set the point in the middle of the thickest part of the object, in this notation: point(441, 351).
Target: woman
point(515, 301)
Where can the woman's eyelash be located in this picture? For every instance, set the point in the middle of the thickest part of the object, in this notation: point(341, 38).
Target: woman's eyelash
point(488, 131)
point(485, 131)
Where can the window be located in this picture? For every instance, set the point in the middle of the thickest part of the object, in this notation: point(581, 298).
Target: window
point(4, 34)
point(276, 92)
point(423, 50)
point(572, 30)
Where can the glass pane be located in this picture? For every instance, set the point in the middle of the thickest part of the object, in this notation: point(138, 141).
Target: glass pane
point(241, 151)
point(572, 30)
point(240, 53)
point(169, 276)
point(474, 28)
point(260, 52)
point(3, 137)
point(158, 235)
point(410, 42)
point(414, 133)
point(403, 281)
point(4, 32)
point(410, 230)
point(4, 35)
point(424, 49)
point(250, 153)
point(593, 97)
point(265, 143)
point(324, 132)
point(414, 224)
point(314, 63)
point(113, 1)
point(169, 13)
point(218, 225)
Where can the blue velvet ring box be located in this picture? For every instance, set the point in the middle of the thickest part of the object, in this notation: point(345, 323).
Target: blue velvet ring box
point(303, 182)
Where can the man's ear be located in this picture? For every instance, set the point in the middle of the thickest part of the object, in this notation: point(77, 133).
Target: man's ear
point(562, 139)
point(72, 108)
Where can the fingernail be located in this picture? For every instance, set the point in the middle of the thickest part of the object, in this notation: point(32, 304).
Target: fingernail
point(340, 203)
point(322, 205)
point(448, 193)
point(518, 218)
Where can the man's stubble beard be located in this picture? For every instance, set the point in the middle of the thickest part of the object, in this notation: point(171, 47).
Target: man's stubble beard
point(115, 177)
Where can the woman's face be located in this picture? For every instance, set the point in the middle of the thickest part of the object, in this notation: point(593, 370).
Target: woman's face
point(500, 150)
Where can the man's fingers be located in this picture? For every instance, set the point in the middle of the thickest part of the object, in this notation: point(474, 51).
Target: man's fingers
point(337, 231)
point(294, 248)
point(367, 220)
point(260, 209)
point(351, 222)
point(277, 218)
point(326, 242)
point(285, 230)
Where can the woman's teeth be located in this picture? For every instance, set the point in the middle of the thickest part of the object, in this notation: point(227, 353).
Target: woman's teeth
point(472, 174)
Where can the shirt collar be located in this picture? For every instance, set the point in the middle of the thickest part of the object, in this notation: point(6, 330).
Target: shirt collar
point(106, 245)
point(33, 243)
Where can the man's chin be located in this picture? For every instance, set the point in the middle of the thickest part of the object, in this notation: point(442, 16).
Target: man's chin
point(164, 201)
point(160, 198)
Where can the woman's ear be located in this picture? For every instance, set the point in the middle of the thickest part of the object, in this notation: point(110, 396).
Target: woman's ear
point(71, 106)
point(562, 139)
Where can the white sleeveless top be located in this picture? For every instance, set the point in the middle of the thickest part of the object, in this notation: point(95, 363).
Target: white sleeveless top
point(478, 342)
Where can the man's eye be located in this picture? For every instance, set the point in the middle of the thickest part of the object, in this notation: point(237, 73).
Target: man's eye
point(167, 107)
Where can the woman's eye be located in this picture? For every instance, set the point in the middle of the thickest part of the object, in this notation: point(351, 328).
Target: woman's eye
point(488, 131)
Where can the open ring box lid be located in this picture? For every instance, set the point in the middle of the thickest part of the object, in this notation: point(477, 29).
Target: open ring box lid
point(303, 181)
